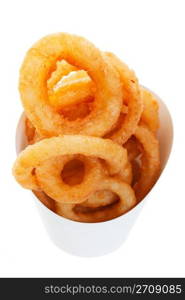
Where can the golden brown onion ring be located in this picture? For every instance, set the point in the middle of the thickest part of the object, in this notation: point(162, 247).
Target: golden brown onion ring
point(127, 201)
point(49, 179)
point(37, 67)
point(30, 158)
point(131, 96)
point(150, 112)
point(150, 161)
point(68, 86)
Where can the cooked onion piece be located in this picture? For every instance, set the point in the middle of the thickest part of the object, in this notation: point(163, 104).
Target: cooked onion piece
point(79, 110)
point(63, 68)
point(106, 197)
point(71, 89)
point(150, 161)
point(30, 158)
point(131, 97)
point(69, 86)
point(97, 199)
point(37, 67)
point(125, 174)
point(49, 178)
point(126, 201)
point(150, 115)
point(77, 86)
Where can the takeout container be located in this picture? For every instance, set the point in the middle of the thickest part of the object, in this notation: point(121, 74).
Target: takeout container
point(96, 239)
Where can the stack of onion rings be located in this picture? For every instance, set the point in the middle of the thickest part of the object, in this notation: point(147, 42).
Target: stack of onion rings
point(91, 130)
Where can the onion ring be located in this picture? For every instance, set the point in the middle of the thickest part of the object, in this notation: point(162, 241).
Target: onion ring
point(126, 202)
point(150, 161)
point(69, 86)
point(97, 200)
point(131, 96)
point(30, 158)
point(57, 189)
point(36, 69)
point(105, 197)
point(71, 176)
point(150, 112)
point(125, 173)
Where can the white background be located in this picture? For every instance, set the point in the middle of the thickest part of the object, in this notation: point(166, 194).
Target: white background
point(149, 36)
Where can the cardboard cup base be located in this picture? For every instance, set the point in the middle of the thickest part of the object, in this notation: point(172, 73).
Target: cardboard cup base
point(96, 239)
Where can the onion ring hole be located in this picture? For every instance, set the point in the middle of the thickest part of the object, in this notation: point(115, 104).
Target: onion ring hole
point(73, 172)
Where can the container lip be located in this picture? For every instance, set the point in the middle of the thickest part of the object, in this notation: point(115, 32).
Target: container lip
point(132, 210)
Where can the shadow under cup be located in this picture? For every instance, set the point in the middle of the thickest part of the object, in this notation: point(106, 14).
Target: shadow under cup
point(96, 239)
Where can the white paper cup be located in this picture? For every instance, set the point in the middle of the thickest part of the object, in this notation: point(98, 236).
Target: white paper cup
point(96, 239)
